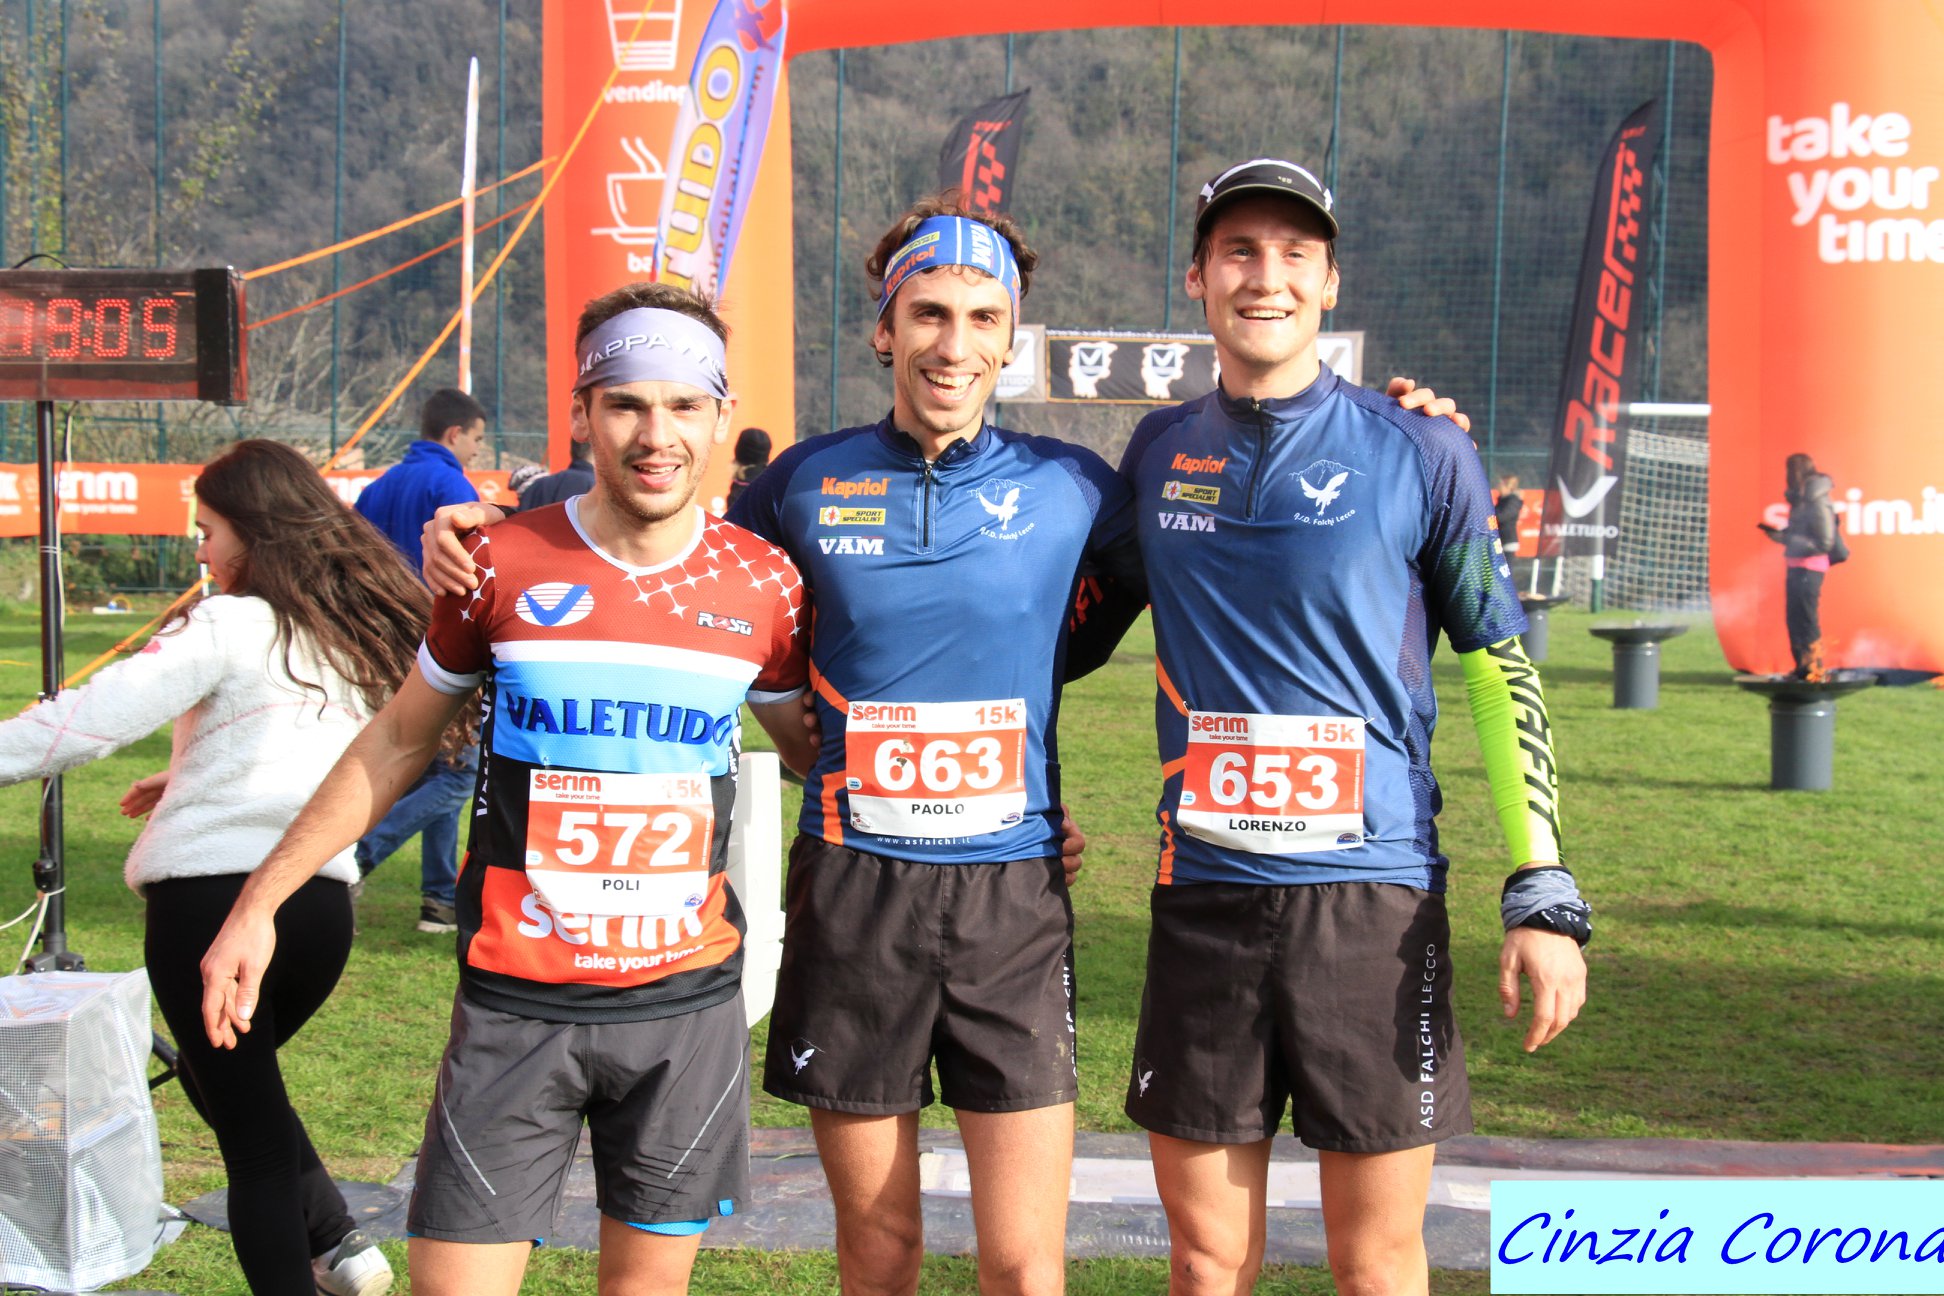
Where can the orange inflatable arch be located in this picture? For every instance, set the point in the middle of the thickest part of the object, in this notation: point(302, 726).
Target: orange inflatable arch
point(1825, 255)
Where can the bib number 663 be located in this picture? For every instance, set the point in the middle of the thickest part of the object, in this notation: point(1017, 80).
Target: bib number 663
point(941, 765)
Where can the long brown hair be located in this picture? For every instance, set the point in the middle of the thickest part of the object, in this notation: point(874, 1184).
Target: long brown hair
point(330, 576)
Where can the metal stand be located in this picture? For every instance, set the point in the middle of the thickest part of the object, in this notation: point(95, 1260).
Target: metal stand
point(50, 871)
point(1636, 662)
point(1802, 725)
point(1537, 637)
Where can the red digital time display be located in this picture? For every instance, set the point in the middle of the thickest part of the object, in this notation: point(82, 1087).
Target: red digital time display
point(158, 335)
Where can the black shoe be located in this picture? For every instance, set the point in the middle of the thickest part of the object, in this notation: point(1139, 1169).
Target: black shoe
point(436, 916)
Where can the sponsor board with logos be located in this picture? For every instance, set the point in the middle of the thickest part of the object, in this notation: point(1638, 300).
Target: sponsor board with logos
point(1101, 367)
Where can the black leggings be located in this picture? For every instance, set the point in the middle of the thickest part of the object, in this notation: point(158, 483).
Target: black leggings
point(283, 1207)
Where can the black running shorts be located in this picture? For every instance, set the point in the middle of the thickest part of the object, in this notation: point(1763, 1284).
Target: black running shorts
point(667, 1102)
point(888, 965)
point(1337, 997)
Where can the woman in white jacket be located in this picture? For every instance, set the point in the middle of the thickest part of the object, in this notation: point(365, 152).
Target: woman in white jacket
point(267, 682)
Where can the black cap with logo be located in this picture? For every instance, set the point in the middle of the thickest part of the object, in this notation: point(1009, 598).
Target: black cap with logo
point(1264, 175)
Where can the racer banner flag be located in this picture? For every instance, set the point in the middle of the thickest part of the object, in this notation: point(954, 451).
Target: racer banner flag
point(1604, 357)
point(981, 154)
point(718, 142)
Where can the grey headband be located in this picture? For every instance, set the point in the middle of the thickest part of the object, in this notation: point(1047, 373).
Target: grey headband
point(649, 344)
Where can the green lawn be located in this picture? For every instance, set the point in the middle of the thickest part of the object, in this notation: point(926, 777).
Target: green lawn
point(1766, 964)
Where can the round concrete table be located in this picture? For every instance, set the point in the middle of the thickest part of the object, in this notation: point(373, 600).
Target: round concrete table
point(1537, 632)
point(1802, 725)
point(1636, 661)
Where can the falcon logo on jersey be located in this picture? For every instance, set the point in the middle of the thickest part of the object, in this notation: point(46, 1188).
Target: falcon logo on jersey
point(1323, 484)
point(554, 603)
point(851, 545)
point(1186, 521)
point(1000, 499)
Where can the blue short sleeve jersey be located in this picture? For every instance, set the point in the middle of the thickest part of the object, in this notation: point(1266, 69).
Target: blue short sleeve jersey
point(1302, 557)
point(940, 593)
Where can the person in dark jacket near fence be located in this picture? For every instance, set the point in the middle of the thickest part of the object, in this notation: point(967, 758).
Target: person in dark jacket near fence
point(1808, 542)
point(577, 478)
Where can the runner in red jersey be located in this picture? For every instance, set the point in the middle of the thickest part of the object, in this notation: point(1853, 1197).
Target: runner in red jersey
point(599, 943)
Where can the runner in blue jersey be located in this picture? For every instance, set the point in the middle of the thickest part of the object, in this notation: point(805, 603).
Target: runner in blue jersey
point(1305, 543)
point(927, 912)
point(600, 944)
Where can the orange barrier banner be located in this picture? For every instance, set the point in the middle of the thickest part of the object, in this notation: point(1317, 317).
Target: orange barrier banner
point(102, 499)
point(149, 499)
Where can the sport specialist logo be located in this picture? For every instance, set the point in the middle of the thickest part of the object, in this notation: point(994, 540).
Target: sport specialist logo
point(1190, 493)
point(1000, 498)
point(553, 604)
point(832, 515)
point(1323, 484)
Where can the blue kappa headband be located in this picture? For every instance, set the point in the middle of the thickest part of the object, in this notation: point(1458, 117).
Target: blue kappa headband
point(952, 240)
point(649, 344)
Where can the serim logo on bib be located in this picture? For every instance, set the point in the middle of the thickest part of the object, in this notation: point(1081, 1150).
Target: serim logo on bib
point(555, 603)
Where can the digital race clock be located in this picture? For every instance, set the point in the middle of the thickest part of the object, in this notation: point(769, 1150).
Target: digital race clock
point(153, 335)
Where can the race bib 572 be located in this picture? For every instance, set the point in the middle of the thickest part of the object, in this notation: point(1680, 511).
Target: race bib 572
point(619, 843)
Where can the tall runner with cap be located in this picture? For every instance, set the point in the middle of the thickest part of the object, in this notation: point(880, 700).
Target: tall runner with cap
point(600, 945)
point(1299, 947)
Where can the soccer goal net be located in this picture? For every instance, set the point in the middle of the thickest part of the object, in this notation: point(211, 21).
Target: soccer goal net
point(1662, 561)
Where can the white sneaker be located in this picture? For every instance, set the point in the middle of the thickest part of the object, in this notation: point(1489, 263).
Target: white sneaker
point(356, 1268)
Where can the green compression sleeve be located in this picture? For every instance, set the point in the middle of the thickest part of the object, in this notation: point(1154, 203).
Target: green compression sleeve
point(1516, 735)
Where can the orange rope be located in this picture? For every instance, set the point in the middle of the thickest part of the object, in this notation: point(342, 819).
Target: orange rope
point(130, 638)
point(479, 288)
point(386, 274)
point(395, 226)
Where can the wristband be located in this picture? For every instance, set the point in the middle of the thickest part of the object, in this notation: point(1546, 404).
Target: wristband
point(1546, 898)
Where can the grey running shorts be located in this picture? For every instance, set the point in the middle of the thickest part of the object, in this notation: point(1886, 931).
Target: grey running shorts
point(667, 1103)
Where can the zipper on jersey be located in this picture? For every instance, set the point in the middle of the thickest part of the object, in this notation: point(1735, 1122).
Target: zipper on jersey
point(1262, 452)
point(925, 509)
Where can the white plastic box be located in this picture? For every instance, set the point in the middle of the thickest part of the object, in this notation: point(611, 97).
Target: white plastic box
point(80, 1164)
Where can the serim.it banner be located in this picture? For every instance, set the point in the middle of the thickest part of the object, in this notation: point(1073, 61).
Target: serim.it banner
point(150, 499)
point(1851, 153)
point(603, 221)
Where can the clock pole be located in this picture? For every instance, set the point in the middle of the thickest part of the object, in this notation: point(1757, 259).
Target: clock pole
point(50, 871)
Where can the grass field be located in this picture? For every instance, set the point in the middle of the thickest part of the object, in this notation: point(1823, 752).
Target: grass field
point(1767, 965)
